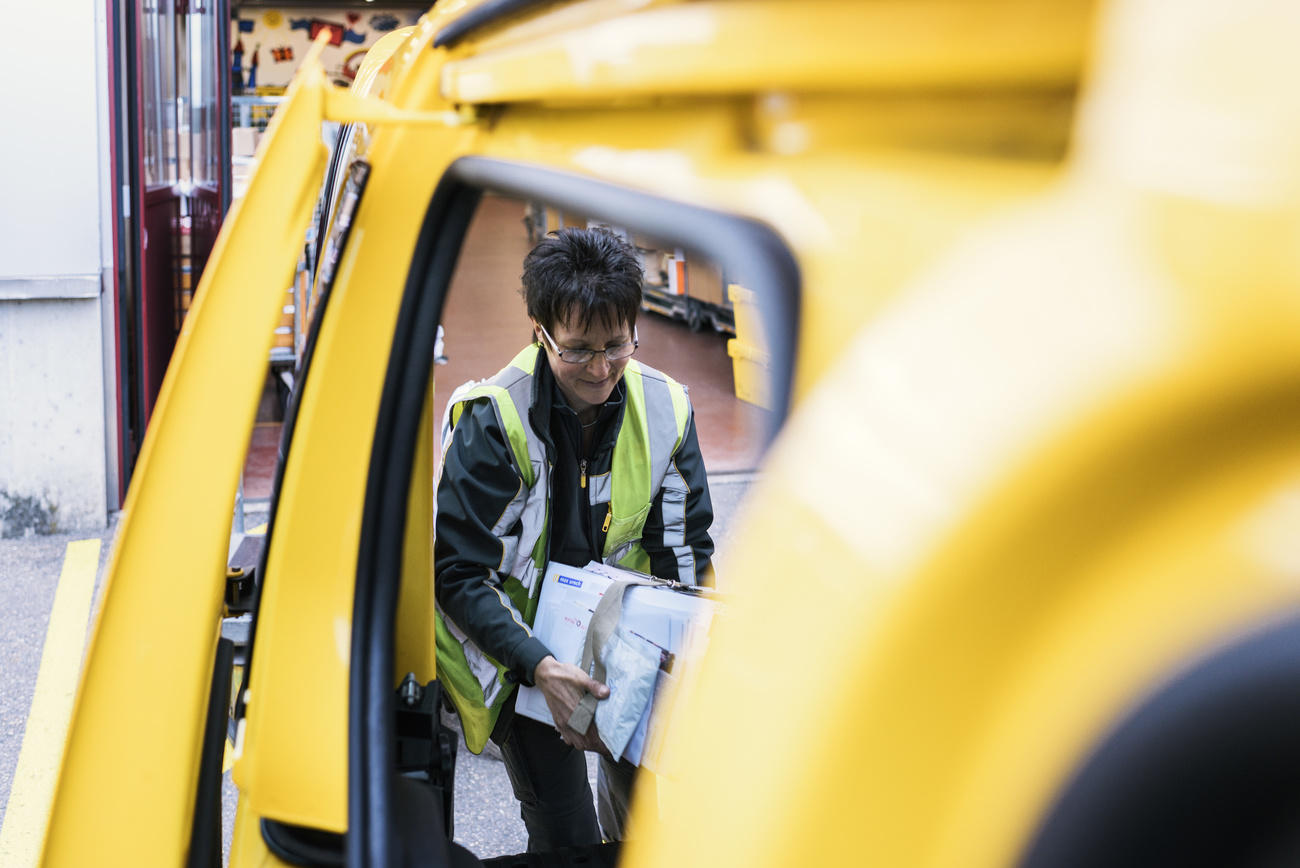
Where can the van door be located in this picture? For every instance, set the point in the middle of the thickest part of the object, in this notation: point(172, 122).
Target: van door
point(145, 684)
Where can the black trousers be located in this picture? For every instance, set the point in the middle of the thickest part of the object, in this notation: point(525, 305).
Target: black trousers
point(550, 780)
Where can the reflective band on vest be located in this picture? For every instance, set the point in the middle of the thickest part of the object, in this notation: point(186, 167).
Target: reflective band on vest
point(654, 423)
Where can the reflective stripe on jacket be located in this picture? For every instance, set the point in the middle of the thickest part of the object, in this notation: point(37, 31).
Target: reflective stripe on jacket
point(653, 424)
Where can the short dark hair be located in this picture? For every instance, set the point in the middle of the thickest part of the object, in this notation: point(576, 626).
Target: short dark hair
point(580, 276)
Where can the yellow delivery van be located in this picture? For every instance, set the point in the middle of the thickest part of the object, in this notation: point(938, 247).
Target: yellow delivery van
point(1019, 581)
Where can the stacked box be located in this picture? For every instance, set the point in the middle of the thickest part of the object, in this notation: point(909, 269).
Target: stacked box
point(704, 281)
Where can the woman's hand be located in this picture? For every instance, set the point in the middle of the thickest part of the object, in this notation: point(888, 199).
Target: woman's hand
point(563, 685)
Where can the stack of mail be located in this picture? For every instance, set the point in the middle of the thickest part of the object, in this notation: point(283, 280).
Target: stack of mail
point(657, 623)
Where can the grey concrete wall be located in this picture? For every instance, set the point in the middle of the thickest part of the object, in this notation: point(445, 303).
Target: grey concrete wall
point(52, 474)
point(53, 254)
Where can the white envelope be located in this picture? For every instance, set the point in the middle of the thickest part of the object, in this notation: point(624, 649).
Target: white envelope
point(660, 617)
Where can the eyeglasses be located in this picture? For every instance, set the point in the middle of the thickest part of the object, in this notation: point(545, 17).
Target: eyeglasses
point(582, 356)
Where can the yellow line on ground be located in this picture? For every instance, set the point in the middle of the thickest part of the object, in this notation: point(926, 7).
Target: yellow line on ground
point(32, 792)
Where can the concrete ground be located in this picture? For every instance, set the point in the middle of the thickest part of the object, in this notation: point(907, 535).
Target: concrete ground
point(30, 568)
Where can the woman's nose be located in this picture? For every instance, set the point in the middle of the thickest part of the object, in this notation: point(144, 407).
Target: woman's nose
point(599, 364)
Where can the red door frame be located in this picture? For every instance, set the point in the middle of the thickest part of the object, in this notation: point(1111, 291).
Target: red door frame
point(146, 222)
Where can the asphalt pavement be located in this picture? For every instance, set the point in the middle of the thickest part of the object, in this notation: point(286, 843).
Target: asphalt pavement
point(29, 575)
point(487, 815)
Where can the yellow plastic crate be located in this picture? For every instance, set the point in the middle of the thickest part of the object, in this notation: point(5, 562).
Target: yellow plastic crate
point(752, 372)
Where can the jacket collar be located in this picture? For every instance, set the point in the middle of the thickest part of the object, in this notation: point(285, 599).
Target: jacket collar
point(545, 394)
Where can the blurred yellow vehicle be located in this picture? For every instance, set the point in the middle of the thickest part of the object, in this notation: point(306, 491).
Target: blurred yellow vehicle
point(1020, 582)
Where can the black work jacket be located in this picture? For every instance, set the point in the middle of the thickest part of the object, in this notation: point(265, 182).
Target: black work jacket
point(478, 481)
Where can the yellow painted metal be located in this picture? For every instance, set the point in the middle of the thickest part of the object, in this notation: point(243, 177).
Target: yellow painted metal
point(701, 48)
point(294, 765)
point(247, 847)
point(942, 697)
point(1064, 465)
point(344, 105)
point(161, 610)
point(415, 646)
point(924, 161)
point(376, 67)
point(860, 222)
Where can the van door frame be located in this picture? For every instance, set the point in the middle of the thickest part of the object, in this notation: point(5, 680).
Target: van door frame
point(751, 250)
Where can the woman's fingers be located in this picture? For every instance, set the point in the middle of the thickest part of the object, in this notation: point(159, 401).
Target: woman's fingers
point(563, 685)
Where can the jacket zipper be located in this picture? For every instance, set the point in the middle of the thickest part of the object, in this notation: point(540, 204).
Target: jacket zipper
point(582, 469)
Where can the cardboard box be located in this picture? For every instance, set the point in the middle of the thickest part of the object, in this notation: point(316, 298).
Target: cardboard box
point(673, 620)
point(556, 219)
point(704, 281)
point(655, 263)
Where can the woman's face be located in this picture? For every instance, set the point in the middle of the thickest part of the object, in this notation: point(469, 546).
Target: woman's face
point(588, 384)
